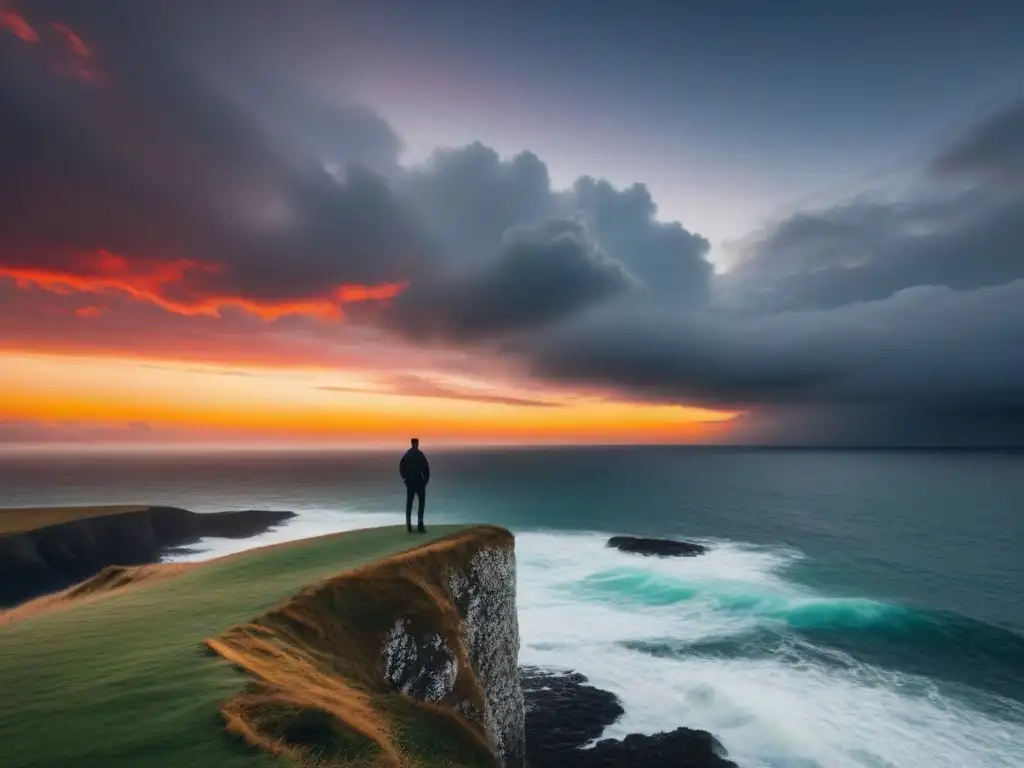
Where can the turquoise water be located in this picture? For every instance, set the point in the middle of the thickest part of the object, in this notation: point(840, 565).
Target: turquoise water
point(857, 609)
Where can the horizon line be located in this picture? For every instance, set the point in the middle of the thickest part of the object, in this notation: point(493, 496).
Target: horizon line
point(446, 446)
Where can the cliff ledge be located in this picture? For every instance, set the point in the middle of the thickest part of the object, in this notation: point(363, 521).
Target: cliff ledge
point(35, 561)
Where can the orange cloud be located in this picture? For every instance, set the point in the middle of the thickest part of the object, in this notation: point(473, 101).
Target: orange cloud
point(89, 312)
point(17, 26)
point(149, 281)
point(352, 294)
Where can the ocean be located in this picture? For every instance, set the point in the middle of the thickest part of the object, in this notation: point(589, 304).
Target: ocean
point(858, 609)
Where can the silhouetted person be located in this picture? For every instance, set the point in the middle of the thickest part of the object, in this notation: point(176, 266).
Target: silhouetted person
point(415, 471)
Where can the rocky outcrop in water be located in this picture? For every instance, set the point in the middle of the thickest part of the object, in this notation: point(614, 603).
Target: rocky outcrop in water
point(656, 547)
point(564, 714)
point(43, 560)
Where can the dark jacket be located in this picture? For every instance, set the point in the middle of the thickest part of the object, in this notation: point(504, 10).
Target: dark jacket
point(414, 468)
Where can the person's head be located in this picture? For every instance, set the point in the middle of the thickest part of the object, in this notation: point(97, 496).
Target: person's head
point(415, 442)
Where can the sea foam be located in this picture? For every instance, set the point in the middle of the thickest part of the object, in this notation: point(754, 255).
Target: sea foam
point(787, 704)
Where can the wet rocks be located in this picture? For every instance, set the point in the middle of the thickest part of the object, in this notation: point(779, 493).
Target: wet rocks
point(681, 748)
point(656, 547)
point(564, 714)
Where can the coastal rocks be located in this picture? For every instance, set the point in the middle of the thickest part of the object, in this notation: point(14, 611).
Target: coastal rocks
point(239, 525)
point(656, 547)
point(681, 748)
point(48, 559)
point(564, 714)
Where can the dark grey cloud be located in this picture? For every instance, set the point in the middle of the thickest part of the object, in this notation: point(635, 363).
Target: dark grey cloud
point(542, 273)
point(471, 196)
point(156, 162)
point(951, 232)
point(518, 254)
point(877, 321)
point(923, 343)
point(927, 353)
point(994, 147)
point(670, 260)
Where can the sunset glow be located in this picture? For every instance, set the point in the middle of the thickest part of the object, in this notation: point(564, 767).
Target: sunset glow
point(74, 397)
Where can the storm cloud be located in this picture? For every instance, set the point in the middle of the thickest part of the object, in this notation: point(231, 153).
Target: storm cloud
point(134, 171)
point(875, 321)
point(962, 228)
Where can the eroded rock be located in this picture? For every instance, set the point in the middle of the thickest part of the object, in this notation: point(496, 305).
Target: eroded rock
point(423, 667)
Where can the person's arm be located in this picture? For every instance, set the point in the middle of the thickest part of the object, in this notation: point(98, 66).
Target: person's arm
point(426, 470)
point(402, 468)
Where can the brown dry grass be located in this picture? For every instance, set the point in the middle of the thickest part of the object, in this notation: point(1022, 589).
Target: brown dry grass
point(319, 696)
point(110, 579)
point(29, 518)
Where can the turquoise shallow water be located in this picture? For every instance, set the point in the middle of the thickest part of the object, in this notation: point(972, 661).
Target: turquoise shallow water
point(857, 609)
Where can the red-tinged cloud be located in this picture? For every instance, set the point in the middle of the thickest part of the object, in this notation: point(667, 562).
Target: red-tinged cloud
point(78, 59)
point(76, 46)
point(17, 26)
point(175, 286)
point(70, 54)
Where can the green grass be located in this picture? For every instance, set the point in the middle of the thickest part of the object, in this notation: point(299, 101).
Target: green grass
point(126, 682)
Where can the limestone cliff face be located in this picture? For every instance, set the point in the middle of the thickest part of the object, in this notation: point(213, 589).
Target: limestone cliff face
point(425, 663)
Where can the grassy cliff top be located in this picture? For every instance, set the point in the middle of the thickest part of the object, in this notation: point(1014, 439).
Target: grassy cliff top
point(28, 519)
point(104, 676)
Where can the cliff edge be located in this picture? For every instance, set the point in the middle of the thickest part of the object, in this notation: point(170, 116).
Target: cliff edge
point(38, 560)
point(410, 661)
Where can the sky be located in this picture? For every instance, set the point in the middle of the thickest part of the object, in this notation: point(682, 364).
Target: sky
point(251, 222)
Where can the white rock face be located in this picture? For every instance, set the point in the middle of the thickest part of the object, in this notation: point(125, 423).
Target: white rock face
point(485, 594)
point(426, 669)
point(424, 666)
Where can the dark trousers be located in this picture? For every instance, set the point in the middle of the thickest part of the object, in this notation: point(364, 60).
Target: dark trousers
point(414, 489)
